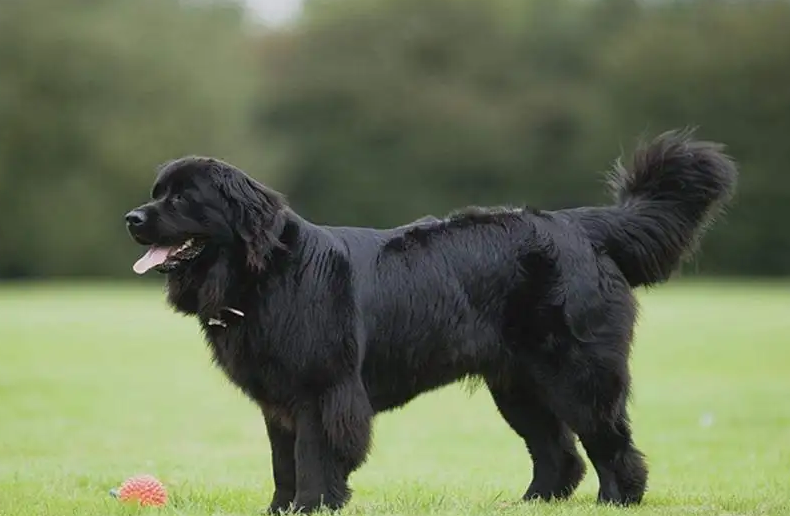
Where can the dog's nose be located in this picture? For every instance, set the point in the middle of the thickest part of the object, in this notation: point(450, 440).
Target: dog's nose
point(135, 218)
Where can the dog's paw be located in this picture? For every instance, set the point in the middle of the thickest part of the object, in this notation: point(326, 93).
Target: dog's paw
point(281, 503)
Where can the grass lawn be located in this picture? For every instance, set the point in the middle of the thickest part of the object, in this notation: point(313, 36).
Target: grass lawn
point(101, 382)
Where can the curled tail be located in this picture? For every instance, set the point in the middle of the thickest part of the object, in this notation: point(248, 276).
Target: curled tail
point(665, 200)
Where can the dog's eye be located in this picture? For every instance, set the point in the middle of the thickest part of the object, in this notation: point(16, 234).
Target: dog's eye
point(177, 201)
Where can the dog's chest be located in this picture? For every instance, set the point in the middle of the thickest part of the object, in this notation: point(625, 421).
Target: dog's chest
point(236, 350)
point(228, 346)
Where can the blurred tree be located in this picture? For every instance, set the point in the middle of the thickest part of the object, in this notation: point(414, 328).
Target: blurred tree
point(725, 67)
point(390, 109)
point(377, 112)
point(94, 95)
point(398, 107)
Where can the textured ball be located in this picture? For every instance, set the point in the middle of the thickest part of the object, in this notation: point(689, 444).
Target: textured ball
point(145, 489)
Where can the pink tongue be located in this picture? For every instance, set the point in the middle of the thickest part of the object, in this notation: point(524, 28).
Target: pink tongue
point(155, 256)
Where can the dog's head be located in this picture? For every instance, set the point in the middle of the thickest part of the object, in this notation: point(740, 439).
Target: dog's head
point(201, 207)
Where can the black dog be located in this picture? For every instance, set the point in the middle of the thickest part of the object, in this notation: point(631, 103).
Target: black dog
point(324, 327)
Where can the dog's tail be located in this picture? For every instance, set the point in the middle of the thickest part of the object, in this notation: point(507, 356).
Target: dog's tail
point(665, 200)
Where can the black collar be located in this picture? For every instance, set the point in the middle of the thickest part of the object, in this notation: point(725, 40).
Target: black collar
point(219, 321)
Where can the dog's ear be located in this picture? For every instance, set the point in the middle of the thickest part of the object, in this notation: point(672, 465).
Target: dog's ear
point(256, 215)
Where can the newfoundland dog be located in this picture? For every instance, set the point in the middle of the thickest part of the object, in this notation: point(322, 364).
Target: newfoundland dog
point(323, 327)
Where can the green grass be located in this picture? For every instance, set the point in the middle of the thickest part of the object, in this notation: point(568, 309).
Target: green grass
point(101, 382)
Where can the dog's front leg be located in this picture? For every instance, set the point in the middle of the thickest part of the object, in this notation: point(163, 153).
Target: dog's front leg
point(320, 478)
point(283, 442)
point(332, 440)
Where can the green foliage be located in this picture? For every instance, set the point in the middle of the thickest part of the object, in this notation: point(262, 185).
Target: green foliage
point(391, 109)
point(376, 112)
point(394, 108)
point(724, 67)
point(93, 96)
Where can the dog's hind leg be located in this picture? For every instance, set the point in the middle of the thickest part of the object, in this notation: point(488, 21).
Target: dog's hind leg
point(557, 466)
point(590, 396)
point(620, 465)
point(332, 440)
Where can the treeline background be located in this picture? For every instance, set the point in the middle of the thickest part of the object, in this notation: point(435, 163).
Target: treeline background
point(375, 112)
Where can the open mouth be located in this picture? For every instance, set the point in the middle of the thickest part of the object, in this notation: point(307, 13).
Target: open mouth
point(166, 259)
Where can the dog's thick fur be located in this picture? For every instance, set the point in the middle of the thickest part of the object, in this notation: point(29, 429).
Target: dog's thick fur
point(342, 323)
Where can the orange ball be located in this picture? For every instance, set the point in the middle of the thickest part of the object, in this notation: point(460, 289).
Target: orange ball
point(145, 489)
